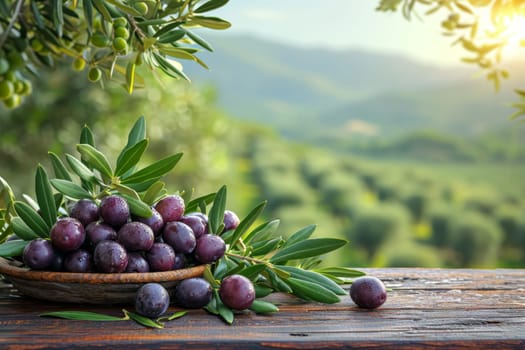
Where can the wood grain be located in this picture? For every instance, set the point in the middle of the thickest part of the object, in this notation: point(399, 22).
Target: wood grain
point(425, 309)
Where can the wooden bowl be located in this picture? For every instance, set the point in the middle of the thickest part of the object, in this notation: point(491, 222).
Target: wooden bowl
point(90, 288)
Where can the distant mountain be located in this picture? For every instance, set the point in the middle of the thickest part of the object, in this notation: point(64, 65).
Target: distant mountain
point(318, 94)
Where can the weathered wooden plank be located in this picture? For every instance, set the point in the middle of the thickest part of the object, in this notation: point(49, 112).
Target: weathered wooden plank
point(453, 309)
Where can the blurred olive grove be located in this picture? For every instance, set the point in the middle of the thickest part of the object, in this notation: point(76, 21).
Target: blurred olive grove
point(393, 215)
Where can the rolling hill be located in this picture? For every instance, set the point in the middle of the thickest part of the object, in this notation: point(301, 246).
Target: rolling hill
point(319, 94)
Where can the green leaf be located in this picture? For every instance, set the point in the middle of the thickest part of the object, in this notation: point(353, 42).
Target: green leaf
point(171, 36)
point(277, 283)
point(125, 8)
point(154, 170)
point(58, 15)
point(225, 312)
point(313, 277)
point(81, 315)
point(210, 5)
point(95, 159)
point(101, 8)
point(22, 230)
point(130, 157)
point(172, 317)
point(138, 207)
point(58, 167)
point(88, 14)
point(12, 248)
point(70, 189)
point(169, 68)
point(340, 272)
point(312, 291)
point(251, 272)
point(32, 219)
point(265, 247)
point(210, 22)
point(80, 169)
point(262, 291)
point(145, 321)
point(136, 134)
point(262, 232)
point(195, 203)
point(44, 196)
point(247, 222)
point(86, 136)
point(130, 77)
point(216, 215)
point(306, 249)
point(199, 41)
point(301, 235)
point(263, 307)
point(154, 193)
point(167, 28)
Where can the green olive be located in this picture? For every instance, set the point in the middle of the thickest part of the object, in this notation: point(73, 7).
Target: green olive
point(28, 88)
point(120, 22)
point(19, 86)
point(4, 65)
point(122, 32)
point(37, 45)
point(120, 44)
point(141, 7)
point(7, 89)
point(99, 39)
point(12, 101)
point(94, 74)
point(79, 64)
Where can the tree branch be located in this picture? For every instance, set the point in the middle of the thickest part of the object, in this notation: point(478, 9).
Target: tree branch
point(11, 24)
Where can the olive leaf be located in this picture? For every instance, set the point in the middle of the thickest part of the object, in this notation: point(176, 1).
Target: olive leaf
point(307, 248)
point(12, 248)
point(262, 232)
point(340, 272)
point(96, 159)
point(86, 136)
point(216, 215)
point(22, 230)
point(58, 167)
point(301, 235)
point(195, 203)
point(44, 196)
point(82, 171)
point(263, 307)
point(130, 157)
point(210, 5)
point(70, 189)
point(245, 223)
point(314, 277)
point(153, 171)
point(312, 291)
point(32, 219)
point(142, 320)
point(81, 315)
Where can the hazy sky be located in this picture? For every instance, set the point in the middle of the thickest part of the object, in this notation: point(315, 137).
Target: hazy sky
point(341, 24)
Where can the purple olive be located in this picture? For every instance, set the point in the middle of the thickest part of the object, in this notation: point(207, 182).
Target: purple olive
point(193, 293)
point(152, 300)
point(114, 210)
point(237, 292)
point(368, 292)
point(85, 211)
point(179, 236)
point(136, 236)
point(110, 257)
point(67, 234)
point(209, 248)
point(171, 208)
point(38, 254)
point(231, 220)
point(161, 257)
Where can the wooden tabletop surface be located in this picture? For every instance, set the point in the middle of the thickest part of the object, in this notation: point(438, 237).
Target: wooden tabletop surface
point(426, 308)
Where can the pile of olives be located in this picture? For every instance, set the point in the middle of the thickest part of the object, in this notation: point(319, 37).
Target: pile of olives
point(106, 238)
point(12, 85)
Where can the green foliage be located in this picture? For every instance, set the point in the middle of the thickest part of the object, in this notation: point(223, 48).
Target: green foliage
point(483, 42)
point(411, 255)
point(441, 218)
point(373, 227)
point(476, 240)
point(114, 39)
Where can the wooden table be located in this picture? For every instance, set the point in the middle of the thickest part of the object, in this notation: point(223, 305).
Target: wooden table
point(426, 308)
